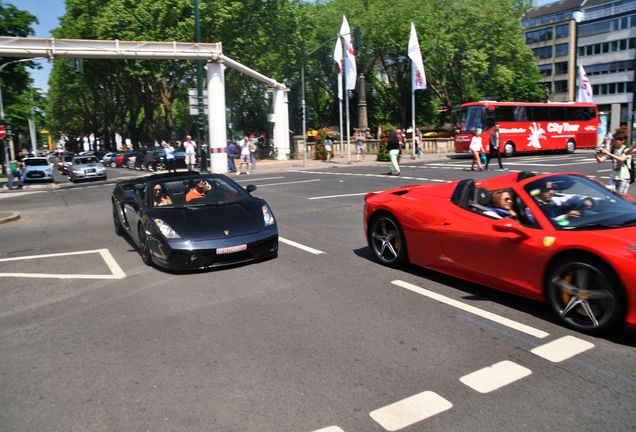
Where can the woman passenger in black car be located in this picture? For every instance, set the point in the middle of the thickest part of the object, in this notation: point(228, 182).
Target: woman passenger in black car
point(159, 196)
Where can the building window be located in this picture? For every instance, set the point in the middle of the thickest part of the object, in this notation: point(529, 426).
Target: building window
point(561, 68)
point(539, 35)
point(545, 69)
point(561, 86)
point(543, 52)
point(562, 31)
point(561, 49)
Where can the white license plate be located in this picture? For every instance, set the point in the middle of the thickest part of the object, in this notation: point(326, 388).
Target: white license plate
point(231, 249)
point(90, 171)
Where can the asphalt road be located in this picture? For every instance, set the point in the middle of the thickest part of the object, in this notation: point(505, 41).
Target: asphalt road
point(322, 338)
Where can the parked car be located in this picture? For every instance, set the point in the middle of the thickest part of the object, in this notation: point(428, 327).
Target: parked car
point(38, 168)
point(86, 168)
point(155, 160)
point(572, 244)
point(109, 158)
point(224, 225)
point(64, 161)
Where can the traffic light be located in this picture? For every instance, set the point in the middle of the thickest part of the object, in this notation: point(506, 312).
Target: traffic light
point(357, 39)
point(78, 65)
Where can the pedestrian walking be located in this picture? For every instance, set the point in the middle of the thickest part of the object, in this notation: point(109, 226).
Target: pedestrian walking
point(417, 150)
point(476, 149)
point(328, 148)
point(245, 155)
point(253, 151)
point(171, 163)
point(190, 152)
point(621, 161)
point(393, 146)
point(493, 147)
point(360, 146)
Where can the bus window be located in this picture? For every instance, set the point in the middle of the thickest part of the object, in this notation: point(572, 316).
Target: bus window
point(471, 118)
point(581, 113)
point(520, 113)
point(541, 113)
point(557, 114)
point(504, 113)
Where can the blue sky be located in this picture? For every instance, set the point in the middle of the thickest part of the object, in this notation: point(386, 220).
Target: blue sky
point(48, 13)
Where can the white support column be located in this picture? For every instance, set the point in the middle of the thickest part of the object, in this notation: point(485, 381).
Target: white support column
point(216, 117)
point(281, 124)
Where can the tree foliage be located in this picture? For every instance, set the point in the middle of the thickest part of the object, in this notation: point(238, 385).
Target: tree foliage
point(471, 50)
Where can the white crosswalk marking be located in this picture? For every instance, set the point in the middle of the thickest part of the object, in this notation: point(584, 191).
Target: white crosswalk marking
point(496, 376)
point(411, 410)
point(562, 348)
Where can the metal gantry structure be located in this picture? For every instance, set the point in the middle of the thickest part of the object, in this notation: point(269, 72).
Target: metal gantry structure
point(212, 53)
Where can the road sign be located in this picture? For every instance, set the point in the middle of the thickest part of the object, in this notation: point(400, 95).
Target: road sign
point(3, 131)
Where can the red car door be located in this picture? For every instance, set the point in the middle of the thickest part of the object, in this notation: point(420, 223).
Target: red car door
point(475, 248)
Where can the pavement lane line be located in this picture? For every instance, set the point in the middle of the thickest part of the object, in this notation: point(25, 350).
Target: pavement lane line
point(562, 348)
point(260, 179)
point(338, 196)
point(113, 266)
point(17, 194)
point(496, 376)
point(300, 246)
point(291, 182)
point(330, 429)
point(473, 310)
point(411, 410)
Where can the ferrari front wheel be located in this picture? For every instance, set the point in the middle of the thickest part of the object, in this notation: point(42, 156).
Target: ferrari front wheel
point(585, 295)
point(387, 240)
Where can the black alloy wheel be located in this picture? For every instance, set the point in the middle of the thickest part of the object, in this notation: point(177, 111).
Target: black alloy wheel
point(387, 240)
point(585, 295)
point(144, 246)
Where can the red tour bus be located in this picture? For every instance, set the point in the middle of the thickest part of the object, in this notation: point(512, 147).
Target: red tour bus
point(529, 127)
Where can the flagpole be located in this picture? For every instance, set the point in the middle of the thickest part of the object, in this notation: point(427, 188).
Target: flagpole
point(346, 97)
point(413, 113)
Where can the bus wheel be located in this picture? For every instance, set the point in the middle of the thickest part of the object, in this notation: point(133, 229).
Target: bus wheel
point(570, 147)
point(509, 149)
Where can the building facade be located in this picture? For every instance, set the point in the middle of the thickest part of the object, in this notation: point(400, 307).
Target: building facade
point(600, 35)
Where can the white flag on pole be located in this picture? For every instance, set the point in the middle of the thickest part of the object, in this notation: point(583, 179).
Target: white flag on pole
point(585, 89)
point(417, 66)
point(337, 56)
point(351, 73)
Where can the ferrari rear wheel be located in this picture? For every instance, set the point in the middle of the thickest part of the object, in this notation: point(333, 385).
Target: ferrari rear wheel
point(387, 240)
point(585, 295)
point(144, 246)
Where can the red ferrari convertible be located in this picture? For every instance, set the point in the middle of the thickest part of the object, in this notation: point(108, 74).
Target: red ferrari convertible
point(563, 239)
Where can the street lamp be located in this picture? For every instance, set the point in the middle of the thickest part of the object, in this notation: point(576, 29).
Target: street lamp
point(578, 16)
point(4, 145)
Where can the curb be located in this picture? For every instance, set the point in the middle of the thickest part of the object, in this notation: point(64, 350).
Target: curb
point(6, 217)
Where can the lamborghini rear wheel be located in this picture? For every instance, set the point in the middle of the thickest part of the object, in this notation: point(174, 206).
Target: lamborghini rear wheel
point(387, 240)
point(585, 294)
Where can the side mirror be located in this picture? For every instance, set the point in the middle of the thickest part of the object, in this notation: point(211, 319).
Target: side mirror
point(250, 188)
point(508, 225)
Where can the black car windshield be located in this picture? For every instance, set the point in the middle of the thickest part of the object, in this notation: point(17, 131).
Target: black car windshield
point(199, 191)
point(573, 202)
point(36, 162)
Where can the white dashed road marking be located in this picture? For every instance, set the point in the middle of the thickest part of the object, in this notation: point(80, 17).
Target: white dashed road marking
point(291, 182)
point(330, 429)
point(473, 310)
point(562, 348)
point(411, 410)
point(496, 376)
point(338, 196)
point(300, 246)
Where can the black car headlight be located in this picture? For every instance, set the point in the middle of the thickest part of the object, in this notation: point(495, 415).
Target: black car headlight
point(268, 217)
point(166, 229)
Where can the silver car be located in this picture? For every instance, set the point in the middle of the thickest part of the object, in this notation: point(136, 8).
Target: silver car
point(38, 168)
point(86, 168)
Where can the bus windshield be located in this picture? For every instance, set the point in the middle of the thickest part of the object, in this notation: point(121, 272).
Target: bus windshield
point(471, 118)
